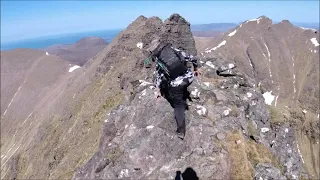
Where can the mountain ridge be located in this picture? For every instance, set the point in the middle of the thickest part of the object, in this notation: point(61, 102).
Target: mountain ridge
point(101, 120)
point(80, 52)
point(284, 61)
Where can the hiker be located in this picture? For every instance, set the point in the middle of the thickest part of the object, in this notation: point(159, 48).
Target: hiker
point(173, 78)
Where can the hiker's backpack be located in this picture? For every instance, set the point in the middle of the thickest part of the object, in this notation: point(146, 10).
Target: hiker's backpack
point(171, 62)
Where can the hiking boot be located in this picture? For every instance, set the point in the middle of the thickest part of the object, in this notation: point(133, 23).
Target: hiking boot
point(180, 135)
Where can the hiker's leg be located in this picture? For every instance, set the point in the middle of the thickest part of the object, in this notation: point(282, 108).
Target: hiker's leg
point(180, 105)
point(186, 93)
point(180, 119)
point(165, 92)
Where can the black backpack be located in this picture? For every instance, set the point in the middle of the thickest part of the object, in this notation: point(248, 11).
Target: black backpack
point(171, 62)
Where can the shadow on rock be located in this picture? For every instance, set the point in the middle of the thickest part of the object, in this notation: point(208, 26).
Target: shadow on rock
point(188, 174)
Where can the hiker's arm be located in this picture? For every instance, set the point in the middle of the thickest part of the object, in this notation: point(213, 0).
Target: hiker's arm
point(189, 58)
point(194, 62)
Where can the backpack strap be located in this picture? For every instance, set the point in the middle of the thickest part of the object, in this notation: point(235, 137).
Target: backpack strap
point(163, 67)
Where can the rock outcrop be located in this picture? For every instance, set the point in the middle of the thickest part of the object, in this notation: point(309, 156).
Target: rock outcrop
point(141, 32)
point(228, 115)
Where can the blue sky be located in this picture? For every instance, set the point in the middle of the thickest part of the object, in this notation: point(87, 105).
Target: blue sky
point(28, 19)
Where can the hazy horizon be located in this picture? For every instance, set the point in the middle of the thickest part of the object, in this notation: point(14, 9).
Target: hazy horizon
point(29, 19)
point(108, 34)
point(119, 29)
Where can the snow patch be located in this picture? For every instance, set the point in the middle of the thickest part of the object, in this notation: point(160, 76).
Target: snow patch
point(264, 130)
point(195, 92)
point(294, 77)
point(140, 45)
point(150, 157)
point(201, 110)
point(258, 20)
point(222, 44)
point(308, 29)
point(232, 33)
point(300, 153)
point(226, 112)
point(13, 98)
point(144, 92)
point(268, 97)
point(124, 173)
point(74, 68)
point(213, 49)
point(47, 54)
point(150, 127)
point(10, 156)
point(231, 66)
point(314, 41)
point(208, 63)
point(249, 94)
point(207, 83)
point(152, 87)
point(269, 65)
point(268, 51)
point(144, 83)
point(201, 62)
point(304, 111)
point(250, 62)
point(27, 117)
point(275, 103)
point(286, 130)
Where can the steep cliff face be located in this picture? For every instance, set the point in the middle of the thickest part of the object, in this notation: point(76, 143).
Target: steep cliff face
point(274, 55)
point(284, 62)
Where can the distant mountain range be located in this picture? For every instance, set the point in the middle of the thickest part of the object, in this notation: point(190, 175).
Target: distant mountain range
point(71, 38)
point(213, 29)
point(80, 52)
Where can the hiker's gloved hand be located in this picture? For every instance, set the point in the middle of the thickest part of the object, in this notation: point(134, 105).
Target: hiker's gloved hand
point(196, 73)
